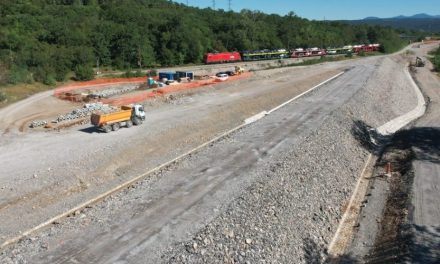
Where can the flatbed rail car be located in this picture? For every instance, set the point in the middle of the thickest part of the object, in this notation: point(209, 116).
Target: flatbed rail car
point(299, 53)
point(265, 55)
point(338, 51)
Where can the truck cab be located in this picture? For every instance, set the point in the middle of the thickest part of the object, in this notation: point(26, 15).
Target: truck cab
point(138, 111)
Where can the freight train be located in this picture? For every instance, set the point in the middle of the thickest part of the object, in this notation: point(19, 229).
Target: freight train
point(225, 57)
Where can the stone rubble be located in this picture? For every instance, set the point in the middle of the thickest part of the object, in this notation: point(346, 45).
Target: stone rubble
point(78, 113)
point(114, 91)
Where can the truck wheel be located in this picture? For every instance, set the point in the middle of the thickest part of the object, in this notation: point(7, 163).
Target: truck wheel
point(137, 121)
point(106, 129)
point(115, 126)
point(129, 123)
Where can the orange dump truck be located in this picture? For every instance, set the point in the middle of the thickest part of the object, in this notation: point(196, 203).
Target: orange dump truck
point(127, 116)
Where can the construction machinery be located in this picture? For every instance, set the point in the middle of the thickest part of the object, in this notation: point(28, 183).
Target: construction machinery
point(127, 116)
point(419, 62)
point(239, 70)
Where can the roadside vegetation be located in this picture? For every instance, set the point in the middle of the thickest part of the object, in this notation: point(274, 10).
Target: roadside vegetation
point(435, 59)
point(53, 41)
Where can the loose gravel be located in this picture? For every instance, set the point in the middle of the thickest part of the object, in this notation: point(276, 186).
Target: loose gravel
point(291, 211)
point(114, 90)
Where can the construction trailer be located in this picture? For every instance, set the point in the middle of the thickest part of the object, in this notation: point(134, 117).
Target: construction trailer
point(184, 75)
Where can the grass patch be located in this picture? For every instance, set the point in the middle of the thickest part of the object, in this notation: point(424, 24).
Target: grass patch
point(12, 93)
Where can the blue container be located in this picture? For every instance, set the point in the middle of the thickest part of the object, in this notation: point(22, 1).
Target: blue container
point(170, 76)
point(184, 74)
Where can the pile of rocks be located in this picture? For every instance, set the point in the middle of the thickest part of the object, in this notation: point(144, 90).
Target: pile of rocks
point(37, 123)
point(78, 113)
point(86, 111)
point(114, 91)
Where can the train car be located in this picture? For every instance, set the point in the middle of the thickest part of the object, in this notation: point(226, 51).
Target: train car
point(339, 51)
point(358, 48)
point(317, 52)
point(222, 57)
point(264, 55)
point(299, 53)
point(376, 47)
point(366, 48)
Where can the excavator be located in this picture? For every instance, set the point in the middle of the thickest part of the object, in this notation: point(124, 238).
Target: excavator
point(419, 62)
point(239, 70)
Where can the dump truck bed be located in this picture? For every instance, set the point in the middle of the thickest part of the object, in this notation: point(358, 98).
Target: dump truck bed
point(103, 119)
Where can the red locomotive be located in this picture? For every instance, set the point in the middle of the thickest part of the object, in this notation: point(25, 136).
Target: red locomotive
point(222, 57)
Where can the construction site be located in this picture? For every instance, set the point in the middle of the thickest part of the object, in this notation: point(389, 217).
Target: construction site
point(244, 162)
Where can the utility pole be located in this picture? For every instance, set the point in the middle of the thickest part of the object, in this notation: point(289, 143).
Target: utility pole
point(213, 4)
point(230, 4)
point(187, 2)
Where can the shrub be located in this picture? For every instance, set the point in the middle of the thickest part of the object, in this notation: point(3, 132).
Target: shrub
point(49, 80)
point(84, 73)
point(437, 62)
point(19, 75)
point(152, 73)
point(3, 97)
point(131, 74)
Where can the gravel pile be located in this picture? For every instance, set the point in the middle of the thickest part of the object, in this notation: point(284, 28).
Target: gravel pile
point(114, 90)
point(86, 111)
point(37, 123)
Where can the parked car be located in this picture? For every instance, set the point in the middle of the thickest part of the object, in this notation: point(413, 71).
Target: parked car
point(222, 74)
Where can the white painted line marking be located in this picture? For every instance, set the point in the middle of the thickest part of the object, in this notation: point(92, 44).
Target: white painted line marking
point(255, 118)
point(346, 218)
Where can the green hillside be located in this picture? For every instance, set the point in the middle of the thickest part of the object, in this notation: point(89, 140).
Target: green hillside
point(46, 40)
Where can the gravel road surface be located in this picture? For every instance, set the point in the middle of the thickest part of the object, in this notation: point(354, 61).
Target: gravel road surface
point(271, 192)
point(425, 217)
point(399, 222)
point(45, 173)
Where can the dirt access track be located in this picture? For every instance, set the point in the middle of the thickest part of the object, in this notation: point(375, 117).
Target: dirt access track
point(45, 174)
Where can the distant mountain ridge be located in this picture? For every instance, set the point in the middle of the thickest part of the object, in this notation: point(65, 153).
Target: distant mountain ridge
point(416, 16)
point(419, 22)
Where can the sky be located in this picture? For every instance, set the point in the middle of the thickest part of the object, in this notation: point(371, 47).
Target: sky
point(328, 9)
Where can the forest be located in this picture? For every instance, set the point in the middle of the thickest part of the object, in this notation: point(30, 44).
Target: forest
point(49, 41)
